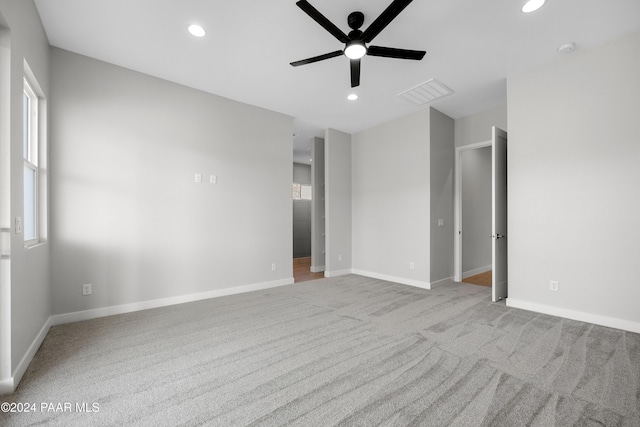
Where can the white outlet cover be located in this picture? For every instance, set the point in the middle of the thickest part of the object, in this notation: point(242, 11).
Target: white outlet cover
point(553, 285)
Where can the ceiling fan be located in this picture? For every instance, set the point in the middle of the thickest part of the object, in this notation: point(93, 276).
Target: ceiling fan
point(356, 42)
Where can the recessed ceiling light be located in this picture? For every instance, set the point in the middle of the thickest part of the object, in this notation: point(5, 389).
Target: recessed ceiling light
point(567, 48)
point(352, 97)
point(197, 30)
point(532, 5)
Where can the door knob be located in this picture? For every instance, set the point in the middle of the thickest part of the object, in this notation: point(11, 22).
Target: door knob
point(499, 236)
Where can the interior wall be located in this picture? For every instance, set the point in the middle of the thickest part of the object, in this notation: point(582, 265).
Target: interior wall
point(338, 193)
point(391, 200)
point(5, 210)
point(127, 213)
point(477, 127)
point(318, 207)
point(441, 176)
point(573, 182)
point(476, 211)
point(29, 293)
point(302, 214)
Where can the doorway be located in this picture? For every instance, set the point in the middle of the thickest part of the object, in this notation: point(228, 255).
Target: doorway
point(480, 246)
point(476, 216)
point(474, 182)
point(308, 210)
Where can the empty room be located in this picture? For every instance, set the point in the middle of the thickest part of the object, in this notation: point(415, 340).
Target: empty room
point(277, 213)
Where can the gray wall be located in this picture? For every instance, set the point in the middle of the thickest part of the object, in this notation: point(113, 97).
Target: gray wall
point(476, 211)
point(127, 215)
point(302, 214)
point(391, 200)
point(574, 146)
point(402, 185)
point(337, 168)
point(302, 173)
point(477, 127)
point(441, 172)
point(318, 207)
point(25, 295)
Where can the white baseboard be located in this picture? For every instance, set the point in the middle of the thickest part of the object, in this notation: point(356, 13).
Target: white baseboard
point(475, 271)
point(78, 316)
point(441, 282)
point(9, 385)
point(317, 269)
point(401, 280)
point(337, 273)
point(611, 322)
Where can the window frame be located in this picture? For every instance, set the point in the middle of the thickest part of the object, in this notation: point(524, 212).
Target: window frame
point(302, 192)
point(31, 155)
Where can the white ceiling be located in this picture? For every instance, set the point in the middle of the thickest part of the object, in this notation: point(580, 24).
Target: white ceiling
point(472, 47)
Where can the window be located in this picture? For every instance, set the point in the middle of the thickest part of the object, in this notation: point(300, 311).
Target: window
point(31, 173)
point(301, 192)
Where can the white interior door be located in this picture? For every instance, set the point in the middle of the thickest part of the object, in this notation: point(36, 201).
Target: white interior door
point(499, 214)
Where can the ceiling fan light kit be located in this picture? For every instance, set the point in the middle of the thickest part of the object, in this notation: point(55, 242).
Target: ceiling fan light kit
point(355, 50)
point(356, 42)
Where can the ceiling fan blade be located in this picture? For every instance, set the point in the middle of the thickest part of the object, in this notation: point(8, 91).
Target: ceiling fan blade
point(322, 20)
point(317, 58)
point(355, 72)
point(384, 19)
point(390, 52)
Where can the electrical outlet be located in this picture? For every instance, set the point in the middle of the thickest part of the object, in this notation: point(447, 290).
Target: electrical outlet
point(553, 286)
point(198, 178)
point(412, 266)
point(274, 266)
point(339, 258)
point(213, 179)
point(86, 289)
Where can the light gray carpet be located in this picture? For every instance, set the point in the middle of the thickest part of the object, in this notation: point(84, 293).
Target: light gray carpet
point(341, 351)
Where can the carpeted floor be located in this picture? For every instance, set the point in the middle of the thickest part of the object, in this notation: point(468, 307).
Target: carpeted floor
point(340, 351)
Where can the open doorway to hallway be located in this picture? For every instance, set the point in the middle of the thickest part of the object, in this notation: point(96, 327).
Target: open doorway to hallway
point(308, 209)
point(498, 217)
point(475, 199)
point(302, 270)
point(476, 216)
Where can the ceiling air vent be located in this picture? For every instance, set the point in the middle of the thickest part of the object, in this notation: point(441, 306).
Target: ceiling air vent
point(426, 92)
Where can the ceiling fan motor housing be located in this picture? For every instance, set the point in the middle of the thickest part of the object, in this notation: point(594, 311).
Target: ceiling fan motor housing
point(357, 40)
point(355, 20)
